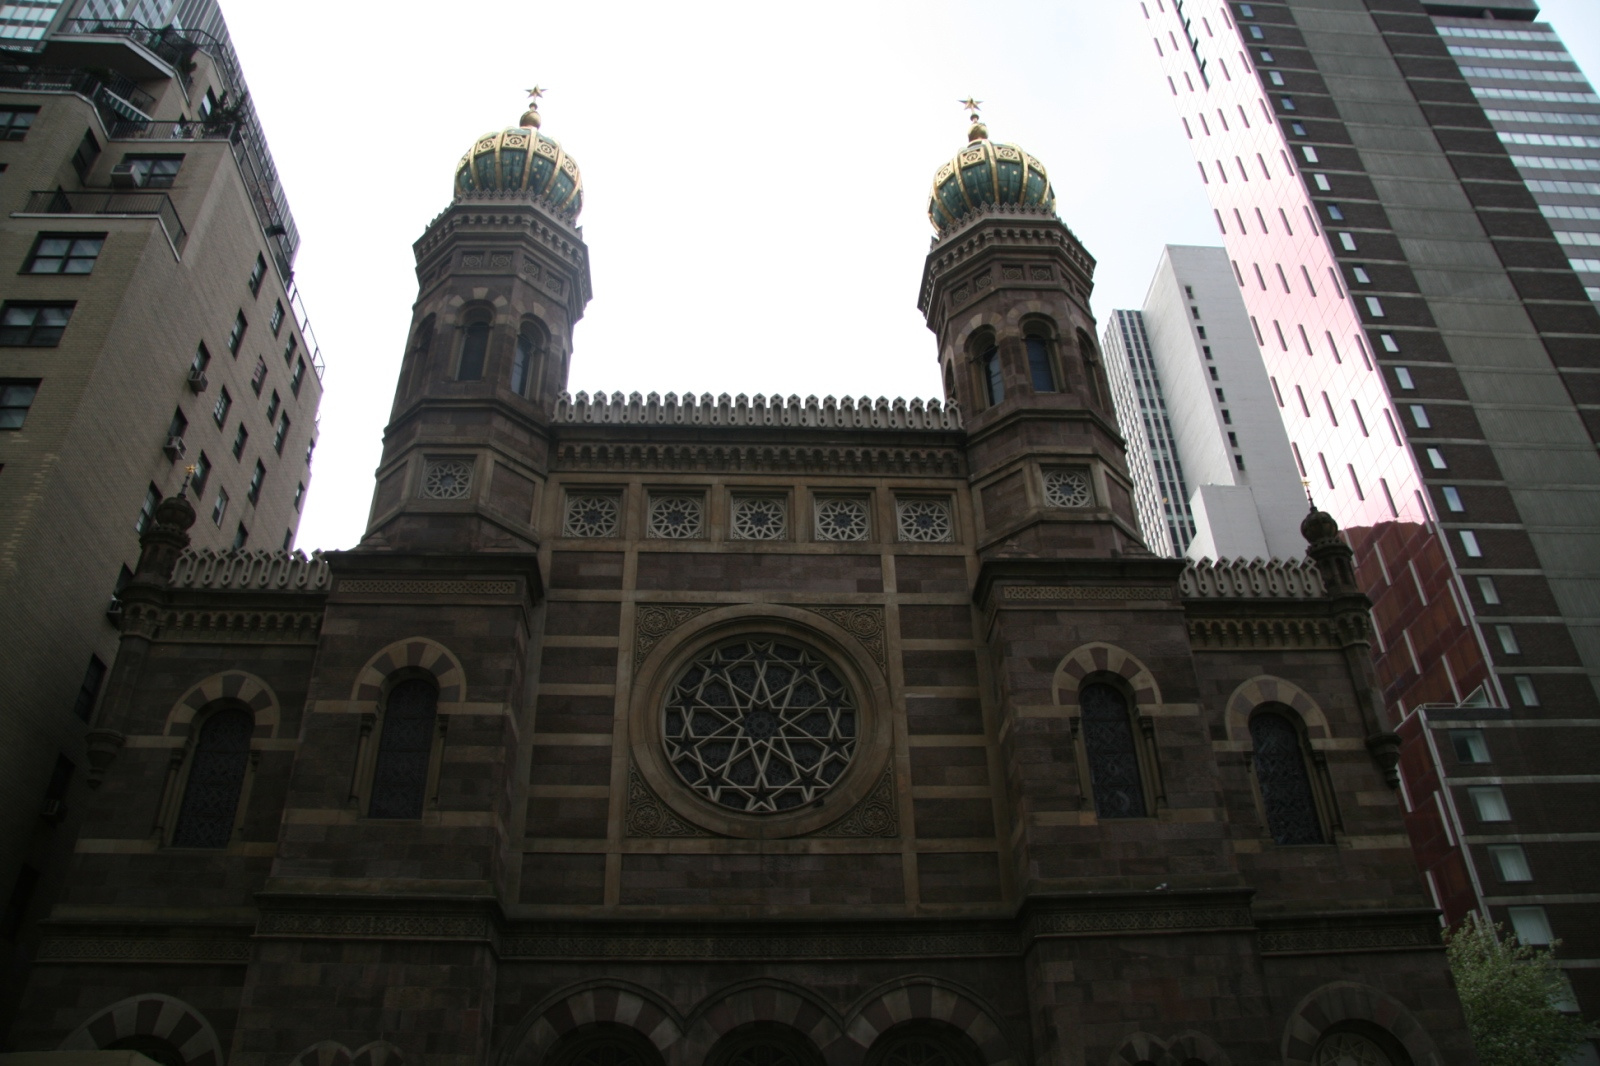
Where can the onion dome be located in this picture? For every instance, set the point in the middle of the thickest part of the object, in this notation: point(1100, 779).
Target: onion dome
point(522, 159)
point(1319, 527)
point(985, 173)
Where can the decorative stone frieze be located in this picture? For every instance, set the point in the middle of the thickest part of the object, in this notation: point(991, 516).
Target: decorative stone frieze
point(268, 571)
point(741, 410)
point(1252, 579)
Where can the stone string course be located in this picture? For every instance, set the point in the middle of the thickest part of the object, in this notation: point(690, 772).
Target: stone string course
point(741, 410)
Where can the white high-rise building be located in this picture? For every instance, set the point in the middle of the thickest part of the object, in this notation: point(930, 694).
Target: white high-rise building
point(1202, 396)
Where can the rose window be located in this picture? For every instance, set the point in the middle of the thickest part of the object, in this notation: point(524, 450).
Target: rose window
point(591, 516)
point(759, 725)
point(757, 518)
point(926, 521)
point(842, 520)
point(675, 517)
point(1067, 488)
point(447, 479)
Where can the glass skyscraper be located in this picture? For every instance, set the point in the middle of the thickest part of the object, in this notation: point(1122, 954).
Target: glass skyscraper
point(1160, 494)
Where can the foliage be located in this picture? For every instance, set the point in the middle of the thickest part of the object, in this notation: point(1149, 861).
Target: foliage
point(1510, 992)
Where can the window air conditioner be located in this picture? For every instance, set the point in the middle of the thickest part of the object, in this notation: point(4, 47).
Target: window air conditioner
point(197, 381)
point(130, 175)
point(174, 448)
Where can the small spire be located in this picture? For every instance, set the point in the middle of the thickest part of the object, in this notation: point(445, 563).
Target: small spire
point(530, 118)
point(978, 132)
point(188, 473)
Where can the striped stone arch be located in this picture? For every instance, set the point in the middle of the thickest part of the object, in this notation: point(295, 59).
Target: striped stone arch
point(613, 1002)
point(333, 1053)
point(1099, 657)
point(761, 1001)
point(1268, 689)
point(151, 1014)
point(918, 999)
point(248, 689)
point(417, 652)
point(1344, 1001)
point(1180, 1050)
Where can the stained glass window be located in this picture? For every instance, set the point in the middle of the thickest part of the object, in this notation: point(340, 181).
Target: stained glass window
point(1280, 767)
point(1113, 755)
point(401, 776)
point(216, 774)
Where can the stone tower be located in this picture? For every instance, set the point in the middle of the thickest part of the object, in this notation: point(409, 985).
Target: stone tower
point(502, 277)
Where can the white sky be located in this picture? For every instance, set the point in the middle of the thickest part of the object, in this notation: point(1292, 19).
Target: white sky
point(755, 176)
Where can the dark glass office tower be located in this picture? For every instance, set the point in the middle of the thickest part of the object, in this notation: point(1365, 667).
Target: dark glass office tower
point(1438, 364)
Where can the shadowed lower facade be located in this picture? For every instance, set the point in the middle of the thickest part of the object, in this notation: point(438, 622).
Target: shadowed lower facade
point(681, 730)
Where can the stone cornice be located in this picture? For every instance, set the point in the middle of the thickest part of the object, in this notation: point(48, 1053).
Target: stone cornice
point(857, 458)
point(775, 412)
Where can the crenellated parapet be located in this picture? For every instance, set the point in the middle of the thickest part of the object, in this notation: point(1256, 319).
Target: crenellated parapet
point(776, 411)
point(251, 571)
point(1238, 579)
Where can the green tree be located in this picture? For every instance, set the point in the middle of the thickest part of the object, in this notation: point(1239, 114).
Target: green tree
point(1511, 992)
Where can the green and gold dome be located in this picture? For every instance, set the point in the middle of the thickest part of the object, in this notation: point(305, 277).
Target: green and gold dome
point(521, 159)
point(986, 173)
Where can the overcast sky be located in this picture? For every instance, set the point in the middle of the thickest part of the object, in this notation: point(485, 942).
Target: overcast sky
point(755, 176)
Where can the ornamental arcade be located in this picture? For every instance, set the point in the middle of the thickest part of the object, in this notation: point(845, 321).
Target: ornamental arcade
point(683, 730)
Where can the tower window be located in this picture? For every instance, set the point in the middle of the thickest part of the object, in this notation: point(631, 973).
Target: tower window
point(1044, 379)
point(991, 375)
point(400, 777)
point(523, 360)
point(1110, 744)
point(216, 779)
point(1279, 761)
point(474, 346)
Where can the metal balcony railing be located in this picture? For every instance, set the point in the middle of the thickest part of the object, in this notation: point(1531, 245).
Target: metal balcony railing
point(178, 130)
point(114, 96)
point(156, 204)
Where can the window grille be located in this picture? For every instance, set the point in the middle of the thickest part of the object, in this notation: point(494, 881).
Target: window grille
point(216, 776)
point(925, 521)
point(592, 515)
point(758, 518)
point(676, 517)
point(400, 778)
point(841, 519)
point(1280, 767)
point(1109, 742)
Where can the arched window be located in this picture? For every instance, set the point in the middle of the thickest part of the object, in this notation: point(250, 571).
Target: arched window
point(422, 340)
point(764, 1044)
point(216, 776)
point(1112, 751)
point(153, 1048)
point(1091, 369)
point(400, 776)
point(949, 384)
point(1280, 766)
point(924, 1043)
point(474, 347)
point(1360, 1042)
point(603, 1044)
point(530, 342)
point(1041, 367)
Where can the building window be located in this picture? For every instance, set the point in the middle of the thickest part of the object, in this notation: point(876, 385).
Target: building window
point(298, 376)
point(282, 433)
point(275, 322)
point(1489, 803)
point(1525, 690)
point(925, 521)
point(33, 325)
point(994, 385)
point(1419, 416)
point(239, 440)
point(216, 778)
point(15, 122)
point(257, 273)
point(1511, 862)
point(1469, 745)
point(16, 397)
point(219, 508)
point(1067, 488)
point(400, 775)
point(288, 539)
point(94, 676)
point(523, 358)
point(1452, 498)
point(1335, 213)
point(64, 253)
point(1403, 376)
point(311, 447)
point(147, 510)
point(1361, 275)
point(1044, 378)
point(256, 480)
point(1287, 101)
point(241, 537)
point(219, 413)
point(759, 518)
point(236, 334)
point(202, 472)
point(447, 479)
point(841, 519)
point(273, 405)
point(1256, 34)
point(1279, 760)
point(177, 427)
point(299, 496)
point(474, 346)
point(1469, 543)
point(592, 514)
point(289, 347)
point(1375, 307)
point(258, 376)
point(151, 171)
point(202, 359)
point(676, 517)
point(1112, 752)
point(83, 159)
point(1435, 456)
point(1532, 925)
point(1490, 594)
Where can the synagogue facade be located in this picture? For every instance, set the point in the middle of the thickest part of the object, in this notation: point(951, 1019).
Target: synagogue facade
point(662, 731)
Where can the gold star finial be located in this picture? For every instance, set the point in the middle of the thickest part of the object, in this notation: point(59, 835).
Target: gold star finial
point(978, 131)
point(533, 96)
point(530, 117)
point(972, 105)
